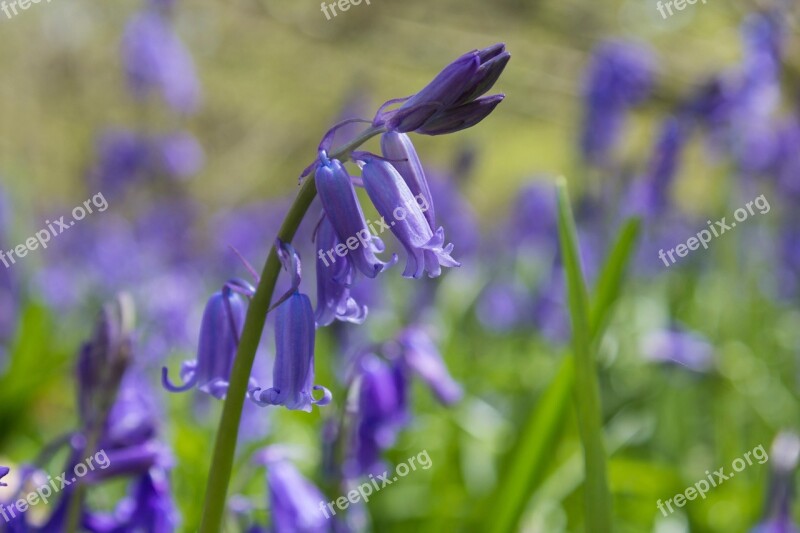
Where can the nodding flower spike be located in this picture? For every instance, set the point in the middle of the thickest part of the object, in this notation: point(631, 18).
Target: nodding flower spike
point(461, 117)
point(341, 206)
point(382, 411)
point(421, 356)
point(395, 202)
point(293, 499)
point(334, 280)
point(451, 99)
point(397, 147)
point(293, 372)
point(221, 327)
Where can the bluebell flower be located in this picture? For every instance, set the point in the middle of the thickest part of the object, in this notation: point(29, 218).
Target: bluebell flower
point(503, 306)
point(4, 470)
point(334, 280)
point(148, 506)
point(619, 77)
point(123, 157)
point(753, 129)
point(223, 320)
point(784, 457)
point(533, 219)
point(156, 61)
point(382, 411)
point(399, 208)
point(339, 200)
point(679, 347)
point(294, 502)
point(181, 156)
point(398, 148)
point(787, 159)
point(293, 374)
point(103, 360)
point(649, 195)
point(421, 357)
point(453, 100)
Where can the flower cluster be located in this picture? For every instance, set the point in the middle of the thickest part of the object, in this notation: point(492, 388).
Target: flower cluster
point(394, 180)
point(118, 416)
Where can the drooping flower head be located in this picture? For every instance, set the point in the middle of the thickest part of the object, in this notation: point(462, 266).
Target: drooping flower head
point(103, 360)
point(334, 280)
point(156, 61)
point(650, 193)
point(421, 357)
point(223, 320)
point(293, 374)
point(398, 148)
point(339, 200)
point(294, 500)
point(619, 77)
point(382, 411)
point(148, 506)
point(399, 208)
point(453, 101)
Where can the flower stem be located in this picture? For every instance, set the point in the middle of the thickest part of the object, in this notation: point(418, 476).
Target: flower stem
point(225, 445)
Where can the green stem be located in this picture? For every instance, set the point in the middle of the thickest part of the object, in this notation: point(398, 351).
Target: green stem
point(227, 434)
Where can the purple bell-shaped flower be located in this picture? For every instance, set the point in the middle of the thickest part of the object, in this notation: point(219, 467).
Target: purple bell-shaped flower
point(293, 373)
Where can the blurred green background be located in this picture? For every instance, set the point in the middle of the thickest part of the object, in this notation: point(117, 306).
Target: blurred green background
point(275, 75)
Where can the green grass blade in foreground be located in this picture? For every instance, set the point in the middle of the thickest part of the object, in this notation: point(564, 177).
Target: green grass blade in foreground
point(532, 452)
point(609, 283)
point(597, 504)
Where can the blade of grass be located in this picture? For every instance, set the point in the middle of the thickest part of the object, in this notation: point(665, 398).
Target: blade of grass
point(597, 497)
point(609, 283)
point(532, 452)
point(529, 458)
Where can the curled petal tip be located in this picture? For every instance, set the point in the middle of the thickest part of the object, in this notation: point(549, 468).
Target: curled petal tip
point(167, 384)
point(326, 396)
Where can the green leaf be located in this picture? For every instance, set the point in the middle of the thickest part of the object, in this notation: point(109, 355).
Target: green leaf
point(532, 452)
point(610, 281)
point(597, 503)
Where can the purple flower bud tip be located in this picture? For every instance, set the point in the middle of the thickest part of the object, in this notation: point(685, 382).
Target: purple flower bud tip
point(451, 102)
point(461, 117)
